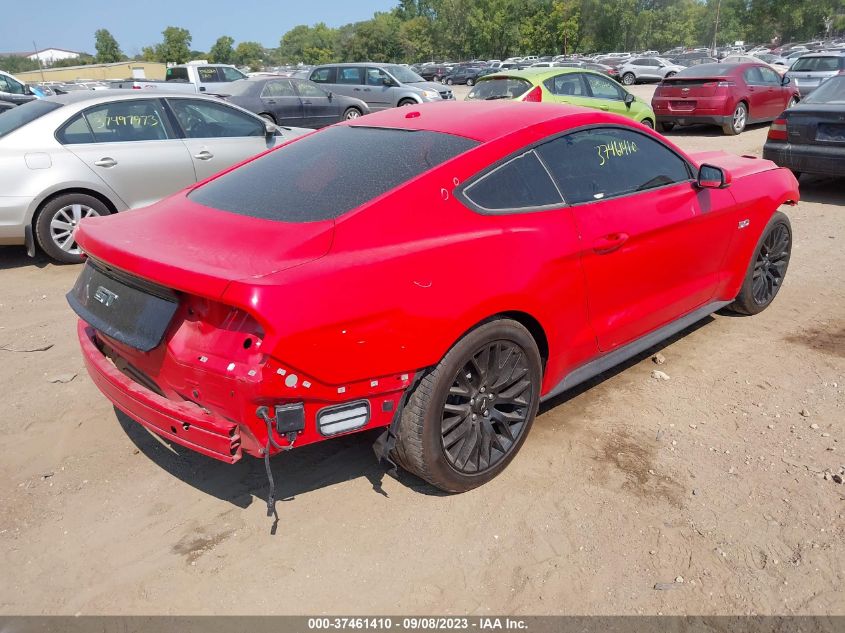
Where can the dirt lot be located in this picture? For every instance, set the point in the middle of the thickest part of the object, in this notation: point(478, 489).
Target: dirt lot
point(716, 476)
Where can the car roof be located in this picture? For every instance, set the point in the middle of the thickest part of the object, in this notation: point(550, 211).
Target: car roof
point(538, 74)
point(104, 96)
point(479, 120)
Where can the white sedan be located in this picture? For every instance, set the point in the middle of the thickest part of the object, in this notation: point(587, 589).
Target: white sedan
point(89, 153)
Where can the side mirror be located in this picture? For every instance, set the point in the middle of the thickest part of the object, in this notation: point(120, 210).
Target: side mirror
point(270, 130)
point(710, 177)
point(785, 81)
point(27, 90)
point(629, 99)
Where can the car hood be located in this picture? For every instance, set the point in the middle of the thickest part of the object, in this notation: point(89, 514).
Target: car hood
point(186, 246)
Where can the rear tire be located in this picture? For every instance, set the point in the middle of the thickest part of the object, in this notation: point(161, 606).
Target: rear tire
point(665, 126)
point(797, 174)
point(767, 268)
point(738, 121)
point(470, 82)
point(458, 430)
point(58, 218)
point(629, 79)
point(648, 123)
point(268, 117)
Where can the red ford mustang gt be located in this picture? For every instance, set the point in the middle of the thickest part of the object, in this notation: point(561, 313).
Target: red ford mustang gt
point(436, 270)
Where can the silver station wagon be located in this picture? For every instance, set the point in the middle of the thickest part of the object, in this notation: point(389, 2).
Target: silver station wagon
point(83, 154)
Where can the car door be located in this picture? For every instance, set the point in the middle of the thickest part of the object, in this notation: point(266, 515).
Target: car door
point(651, 242)
point(379, 95)
point(217, 135)
point(776, 96)
point(13, 91)
point(281, 100)
point(571, 88)
point(132, 148)
point(757, 93)
point(213, 79)
point(319, 108)
point(605, 94)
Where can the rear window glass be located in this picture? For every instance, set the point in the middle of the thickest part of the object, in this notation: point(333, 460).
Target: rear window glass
point(499, 88)
point(177, 74)
point(324, 175)
point(831, 91)
point(818, 64)
point(21, 115)
point(704, 70)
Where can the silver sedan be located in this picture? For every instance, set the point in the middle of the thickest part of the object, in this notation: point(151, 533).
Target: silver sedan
point(73, 156)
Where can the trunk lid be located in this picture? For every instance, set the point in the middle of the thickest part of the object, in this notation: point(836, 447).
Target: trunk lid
point(189, 247)
point(815, 124)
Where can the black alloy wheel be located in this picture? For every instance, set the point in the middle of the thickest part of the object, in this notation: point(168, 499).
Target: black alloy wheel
point(767, 270)
point(770, 265)
point(487, 407)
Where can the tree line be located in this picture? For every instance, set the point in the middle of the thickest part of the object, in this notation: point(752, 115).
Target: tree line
point(418, 30)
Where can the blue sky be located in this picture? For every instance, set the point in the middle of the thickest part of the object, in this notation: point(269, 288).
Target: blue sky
point(71, 25)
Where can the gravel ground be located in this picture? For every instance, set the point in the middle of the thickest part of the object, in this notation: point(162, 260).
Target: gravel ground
point(717, 491)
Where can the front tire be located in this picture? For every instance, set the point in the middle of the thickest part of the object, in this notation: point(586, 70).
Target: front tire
point(351, 113)
point(767, 268)
point(57, 220)
point(268, 117)
point(406, 102)
point(629, 79)
point(469, 416)
point(738, 121)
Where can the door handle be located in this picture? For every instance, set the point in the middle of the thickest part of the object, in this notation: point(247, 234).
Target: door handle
point(204, 155)
point(202, 88)
point(306, 103)
point(105, 162)
point(269, 101)
point(609, 243)
point(357, 89)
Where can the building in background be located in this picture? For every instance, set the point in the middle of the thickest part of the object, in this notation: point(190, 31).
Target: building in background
point(117, 70)
point(49, 56)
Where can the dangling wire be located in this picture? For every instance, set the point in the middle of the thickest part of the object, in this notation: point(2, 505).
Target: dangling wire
point(264, 413)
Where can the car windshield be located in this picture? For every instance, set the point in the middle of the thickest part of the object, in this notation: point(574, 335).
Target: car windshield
point(322, 176)
point(817, 64)
point(17, 117)
point(403, 75)
point(499, 88)
point(831, 91)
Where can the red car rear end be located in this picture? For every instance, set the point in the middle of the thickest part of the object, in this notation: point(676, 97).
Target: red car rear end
point(727, 95)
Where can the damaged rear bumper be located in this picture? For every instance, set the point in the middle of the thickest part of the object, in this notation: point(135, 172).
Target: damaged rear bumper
point(184, 423)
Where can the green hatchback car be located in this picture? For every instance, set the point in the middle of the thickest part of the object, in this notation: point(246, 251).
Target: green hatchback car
point(575, 86)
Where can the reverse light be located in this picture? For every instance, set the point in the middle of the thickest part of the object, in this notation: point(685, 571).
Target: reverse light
point(344, 417)
point(778, 130)
point(535, 96)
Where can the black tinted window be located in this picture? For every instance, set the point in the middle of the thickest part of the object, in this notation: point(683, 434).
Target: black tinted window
point(605, 162)
point(521, 183)
point(322, 176)
point(176, 74)
point(23, 114)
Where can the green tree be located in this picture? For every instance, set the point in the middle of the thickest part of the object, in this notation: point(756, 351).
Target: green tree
point(249, 54)
point(176, 47)
point(108, 50)
point(222, 52)
point(310, 45)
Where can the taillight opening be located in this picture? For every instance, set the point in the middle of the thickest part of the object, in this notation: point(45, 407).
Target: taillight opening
point(778, 130)
point(536, 95)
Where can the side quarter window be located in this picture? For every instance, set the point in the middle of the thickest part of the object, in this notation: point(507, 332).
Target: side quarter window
point(324, 75)
point(600, 163)
point(522, 183)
